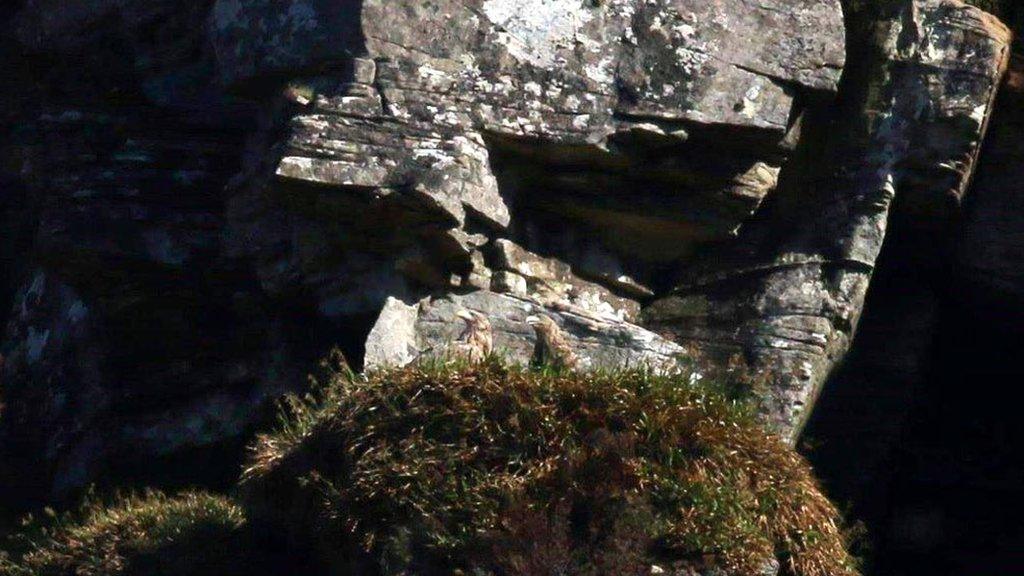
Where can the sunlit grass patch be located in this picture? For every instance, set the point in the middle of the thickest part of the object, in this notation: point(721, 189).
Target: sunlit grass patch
point(141, 535)
point(495, 469)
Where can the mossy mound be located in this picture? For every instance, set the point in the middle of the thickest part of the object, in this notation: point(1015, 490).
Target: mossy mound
point(500, 470)
point(153, 534)
point(483, 470)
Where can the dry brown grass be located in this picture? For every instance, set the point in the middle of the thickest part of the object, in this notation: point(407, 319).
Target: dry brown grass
point(146, 535)
point(492, 469)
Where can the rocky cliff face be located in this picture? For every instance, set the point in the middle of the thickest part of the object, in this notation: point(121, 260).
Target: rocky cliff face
point(897, 433)
point(199, 199)
point(792, 294)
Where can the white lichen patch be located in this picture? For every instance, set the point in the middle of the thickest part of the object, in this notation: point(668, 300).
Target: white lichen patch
point(979, 113)
point(750, 101)
point(533, 88)
point(603, 72)
point(692, 58)
point(581, 122)
point(539, 28)
point(435, 158)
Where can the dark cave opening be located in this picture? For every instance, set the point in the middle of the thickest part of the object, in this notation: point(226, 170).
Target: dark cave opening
point(913, 436)
point(957, 468)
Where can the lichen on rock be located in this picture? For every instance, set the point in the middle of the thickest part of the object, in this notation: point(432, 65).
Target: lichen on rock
point(203, 198)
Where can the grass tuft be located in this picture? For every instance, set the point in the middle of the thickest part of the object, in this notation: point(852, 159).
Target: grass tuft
point(493, 469)
point(141, 535)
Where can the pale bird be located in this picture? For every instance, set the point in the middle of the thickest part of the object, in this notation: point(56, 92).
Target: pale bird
point(477, 340)
point(552, 347)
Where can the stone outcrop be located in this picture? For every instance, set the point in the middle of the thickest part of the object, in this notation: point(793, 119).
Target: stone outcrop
point(203, 198)
point(550, 280)
point(601, 120)
point(941, 336)
point(790, 295)
point(405, 333)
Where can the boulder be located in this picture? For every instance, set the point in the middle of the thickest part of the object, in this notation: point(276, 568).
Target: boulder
point(406, 332)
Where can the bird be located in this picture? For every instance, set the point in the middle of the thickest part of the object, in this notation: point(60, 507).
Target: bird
point(552, 348)
point(476, 342)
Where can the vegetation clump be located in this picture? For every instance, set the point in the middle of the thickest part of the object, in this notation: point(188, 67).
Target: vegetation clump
point(146, 535)
point(492, 469)
point(480, 469)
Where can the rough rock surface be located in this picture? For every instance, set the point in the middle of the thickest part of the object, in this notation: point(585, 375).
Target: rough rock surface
point(551, 280)
point(129, 337)
point(789, 295)
point(406, 332)
point(448, 104)
point(200, 199)
point(943, 317)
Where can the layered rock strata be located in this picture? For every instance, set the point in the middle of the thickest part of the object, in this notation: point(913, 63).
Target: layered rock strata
point(202, 198)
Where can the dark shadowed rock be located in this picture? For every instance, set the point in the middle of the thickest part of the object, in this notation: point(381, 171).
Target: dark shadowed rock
point(990, 241)
point(790, 295)
point(130, 339)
